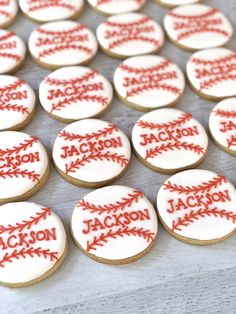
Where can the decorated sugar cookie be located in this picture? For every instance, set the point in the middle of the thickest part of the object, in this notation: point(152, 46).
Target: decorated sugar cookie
point(74, 93)
point(198, 207)
point(212, 73)
point(8, 12)
point(175, 3)
point(169, 140)
point(222, 125)
point(198, 26)
point(109, 7)
point(91, 153)
point(17, 103)
point(12, 52)
point(130, 34)
point(32, 243)
point(62, 43)
point(45, 11)
point(148, 82)
point(24, 166)
point(115, 224)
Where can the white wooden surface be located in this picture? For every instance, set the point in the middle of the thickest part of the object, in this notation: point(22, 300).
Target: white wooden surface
point(173, 277)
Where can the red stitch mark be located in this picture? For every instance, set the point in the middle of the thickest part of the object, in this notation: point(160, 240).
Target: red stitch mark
point(15, 108)
point(148, 87)
point(102, 2)
point(205, 187)
point(21, 147)
point(13, 86)
point(98, 156)
point(196, 24)
point(153, 152)
point(10, 56)
point(122, 41)
point(60, 48)
point(231, 141)
point(16, 173)
point(7, 36)
point(161, 66)
point(27, 224)
point(41, 5)
point(222, 60)
point(165, 126)
point(224, 113)
point(30, 252)
point(89, 136)
point(118, 205)
point(201, 213)
point(84, 78)
point(76, 29)
point(5, 13)
point(214, 81)
point(143, 20)
point(103, 238)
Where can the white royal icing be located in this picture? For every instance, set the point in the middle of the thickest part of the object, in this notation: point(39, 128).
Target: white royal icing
point(17, 101)
point(23, 162)
point(8, 11)
point(75, 93)
point(213, 72)
point(149, 81)
point(116, 6)
point(222, 123)
point(48, 10)
point(63, 43)
point(177, 2)
point(32, 240)
point(198, 204)
point(91, 150)
point(12, 51)
point(198, 26)
point(169, 139)
point(130, 34)
point(114, 223)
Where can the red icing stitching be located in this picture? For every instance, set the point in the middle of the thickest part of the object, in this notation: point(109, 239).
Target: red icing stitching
point(161, 66)
point(199, 61)
point(16, 173)
point(7, 36)
point(15, 108)
point(153, 152)
point(5, 13)
point(111, 157)
point(88, 136)
point(205, 187)
point(212, 82)
point(231, 141)
point(10, 56)
point(41, 5)
point(102, 239)
point(143, 20)
point(102, 2)
point(30, 252)
point(224, 113)
point(165, 126)
point(59, 48)
point(201, 213)
point(13, 86)
point(21, 147)
point(118, 205)
point(33, 220)
point(147, 87)
point(211, 12)
point(120, 42)
point(76, 29)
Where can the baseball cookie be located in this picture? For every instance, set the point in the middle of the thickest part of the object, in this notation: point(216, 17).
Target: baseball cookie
point(175, 3)
point(114, 225)
point(62, 43)
point(131, 34)
point(12, 52)
point(91, 153)
point(17, 103)
point(32, 243)
point(74, 93)
point(42, 11)
point(148, 82)
point(198, 207)
point(109, 7)
point(212, 73)
point(8, 12)
point(24, 166)
point(169, 140)
point(222, 125)
point(197, 26)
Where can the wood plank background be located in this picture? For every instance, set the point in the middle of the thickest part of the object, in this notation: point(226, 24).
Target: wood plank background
point(173, 277)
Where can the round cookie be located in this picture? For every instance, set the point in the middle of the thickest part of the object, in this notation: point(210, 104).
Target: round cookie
point(148, 82)
point(212, 73)
point(62, 43)
point(24, 166)
point(175, 3)
point(74, 93)
point(197, 26)
point(109, 7)
point(222, 125)
point(42, 11)
point(17, 103)
point(169, 140)
point(114, 225)
point(91, 153)
point(198, 207)
point(8, 12)
point(12, 52)
point(32, 243)
point(126, 35)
